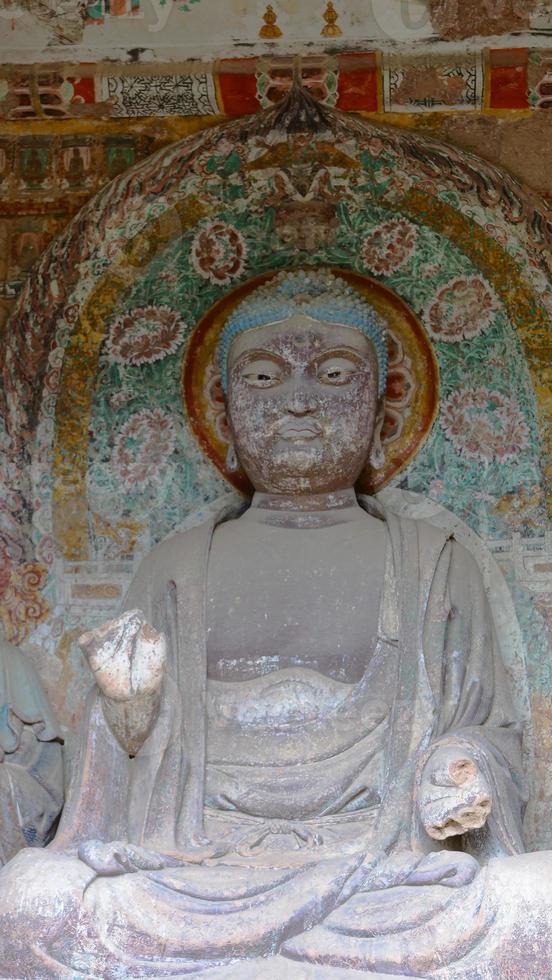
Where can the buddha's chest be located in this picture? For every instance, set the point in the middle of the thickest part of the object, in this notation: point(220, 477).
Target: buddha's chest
point(280, 598)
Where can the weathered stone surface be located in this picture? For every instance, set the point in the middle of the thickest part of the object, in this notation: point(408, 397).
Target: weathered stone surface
point(458, 19)
point(523, 145)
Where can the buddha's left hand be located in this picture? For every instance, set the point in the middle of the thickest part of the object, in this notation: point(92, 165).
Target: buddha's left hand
point(454, 796)
point(453, 869)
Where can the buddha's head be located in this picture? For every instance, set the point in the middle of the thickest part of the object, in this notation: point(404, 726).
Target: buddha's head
point(303, 365)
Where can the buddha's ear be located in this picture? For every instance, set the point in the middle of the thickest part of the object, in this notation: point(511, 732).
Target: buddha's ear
point(232, 463)
point(377, 455)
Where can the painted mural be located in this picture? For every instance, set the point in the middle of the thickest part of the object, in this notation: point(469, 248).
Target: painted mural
point(355, 80)
point(67, 129)
point(114, 427)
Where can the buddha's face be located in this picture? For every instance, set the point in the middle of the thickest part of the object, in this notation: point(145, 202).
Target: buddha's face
point(302, 404)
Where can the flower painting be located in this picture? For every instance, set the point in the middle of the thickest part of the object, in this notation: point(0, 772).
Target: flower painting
point(145, 334)
point(218, 253)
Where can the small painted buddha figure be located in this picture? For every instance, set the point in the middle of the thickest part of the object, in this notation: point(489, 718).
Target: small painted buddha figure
point(300, 757)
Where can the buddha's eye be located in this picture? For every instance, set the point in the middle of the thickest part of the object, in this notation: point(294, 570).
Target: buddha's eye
point(336, 371)
point(261, 374)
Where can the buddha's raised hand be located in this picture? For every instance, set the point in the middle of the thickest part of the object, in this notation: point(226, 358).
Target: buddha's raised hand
point(454, 796)
point(126, 655)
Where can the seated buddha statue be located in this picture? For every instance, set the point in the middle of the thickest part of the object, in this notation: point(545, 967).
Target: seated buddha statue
point(300, 757)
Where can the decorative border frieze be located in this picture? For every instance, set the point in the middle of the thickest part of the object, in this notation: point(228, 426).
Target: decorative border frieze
point(496, 79)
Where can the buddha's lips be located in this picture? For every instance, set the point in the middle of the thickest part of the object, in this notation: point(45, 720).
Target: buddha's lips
point(299, 429)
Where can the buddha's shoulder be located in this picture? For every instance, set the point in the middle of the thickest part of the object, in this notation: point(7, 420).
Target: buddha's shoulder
point(190, 542)
point(415, 516)
point(440, 550)
point(434, 543)
point(180, 546)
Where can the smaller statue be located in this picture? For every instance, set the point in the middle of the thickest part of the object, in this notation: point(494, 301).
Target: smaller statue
point(31, 765)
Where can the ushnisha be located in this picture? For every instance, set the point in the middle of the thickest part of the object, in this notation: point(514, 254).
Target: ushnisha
point(319, 295)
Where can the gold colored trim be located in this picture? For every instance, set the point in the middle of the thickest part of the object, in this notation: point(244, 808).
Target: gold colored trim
point(74, 403)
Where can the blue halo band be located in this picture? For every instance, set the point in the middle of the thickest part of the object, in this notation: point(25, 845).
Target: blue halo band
point(320, 295)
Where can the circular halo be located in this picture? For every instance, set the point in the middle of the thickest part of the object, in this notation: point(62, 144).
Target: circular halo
point(411, 395)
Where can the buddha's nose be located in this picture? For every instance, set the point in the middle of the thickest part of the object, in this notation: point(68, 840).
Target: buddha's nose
point(300, 401)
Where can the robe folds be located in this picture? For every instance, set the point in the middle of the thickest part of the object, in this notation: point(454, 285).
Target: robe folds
point(295, 845)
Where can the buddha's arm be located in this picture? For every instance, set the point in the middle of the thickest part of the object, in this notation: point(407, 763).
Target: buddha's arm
point(470, 776)
point(127, 657)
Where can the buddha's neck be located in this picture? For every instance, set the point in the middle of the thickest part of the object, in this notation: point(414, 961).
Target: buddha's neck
point(304, 510)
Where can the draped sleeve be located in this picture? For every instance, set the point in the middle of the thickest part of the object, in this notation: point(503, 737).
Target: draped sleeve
point(156, 797)
point(471, 688)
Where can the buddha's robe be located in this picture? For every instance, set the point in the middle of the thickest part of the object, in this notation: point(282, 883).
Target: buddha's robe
point(31, 766)
point(274, 823)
